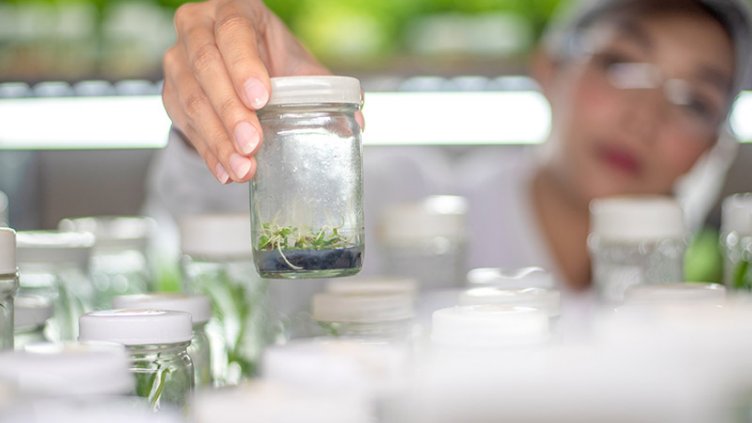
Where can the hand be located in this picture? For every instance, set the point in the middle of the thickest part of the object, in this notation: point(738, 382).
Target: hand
point(216, 77)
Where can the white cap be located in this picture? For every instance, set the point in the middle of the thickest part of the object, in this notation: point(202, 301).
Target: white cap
point(315, 90)
point(329, 307)
point(680, 292)
point(525, 277)
point(198, 306)
point(441, 216)
point(489, 326)
point(110, 410)
point(216, 235)
point(136, 327)
point(635, 219)
point(70, 369)
point(113, 232)
point(372, 286)
point(737, 214)
point(30, 311)
point(547, 300)
point(48, 247)
point(8, 251)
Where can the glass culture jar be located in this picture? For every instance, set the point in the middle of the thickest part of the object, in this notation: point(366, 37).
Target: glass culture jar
point(306, 197)
point(3, 209)
point(217, 263)
point(635, 240)
point(736, 241)
point(8, 286)
point(197, 306)
point(55, 265)
point(157, 343)
point(31, 315)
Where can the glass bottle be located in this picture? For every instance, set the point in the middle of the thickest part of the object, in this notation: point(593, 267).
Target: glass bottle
point(736, 241)
point(31, 315)
point(217, 263)
point(8, 286)
point(3, 209)
point(157, 343)
point(197, 306)
point(306, 196)
point(635, 240)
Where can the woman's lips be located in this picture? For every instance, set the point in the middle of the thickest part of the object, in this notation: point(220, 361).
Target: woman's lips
point(620, 159)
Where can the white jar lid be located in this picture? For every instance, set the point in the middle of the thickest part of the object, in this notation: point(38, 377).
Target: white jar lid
point(547, 300)
point(136, 327)
point(635, 219)
point(198, 306)
point(679, 292)
point(373, 286)
point(489, 326)
point(525, 277)
point(441, 216)
point(218, 236)
point(329, 307)
point(54, 247)
point(737, 214)
point(69, 369)
point(110, 410)
point(30, 311)
point(113, 232)
point(315, 90)
point(7, 251)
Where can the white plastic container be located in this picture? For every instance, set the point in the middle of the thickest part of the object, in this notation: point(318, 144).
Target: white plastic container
point(373, 286)
point(547, 300)
point(377, 317)
point(31, 314)
point(8, 286)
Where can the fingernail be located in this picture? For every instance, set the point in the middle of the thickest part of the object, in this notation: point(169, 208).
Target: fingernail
point(240, 165)
point(247, 137)
point(221, 174)
point(256, 93)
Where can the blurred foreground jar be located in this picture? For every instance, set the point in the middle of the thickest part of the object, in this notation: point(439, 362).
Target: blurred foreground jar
point(198, 307)
point(217, 263)
point(306, 197)
point(156, 342)
point(635, 240)
point(31, 315)
point(736, 241)
point(8, 286)
point(55, 265)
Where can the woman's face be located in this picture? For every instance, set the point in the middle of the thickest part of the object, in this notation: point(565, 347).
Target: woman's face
point(638, 110)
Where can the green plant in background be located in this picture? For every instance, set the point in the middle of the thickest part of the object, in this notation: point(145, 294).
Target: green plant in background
point(703, 260)
point(741, 278)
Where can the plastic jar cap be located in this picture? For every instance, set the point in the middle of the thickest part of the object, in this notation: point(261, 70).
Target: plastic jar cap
point(69, 369)
point(315, 90)
point(525, 277)
point(31, 311)
point(547, 300)
point(329, 307)
point(198, 306)
point(110, 410)
point(634, 219)
point(436, 216)
point(47, 247)
point(372, 286)
point(7, 251)
point(216, 235)
point(136, 327)
point(737, 214)
point(113, 232)
point(485, 326)
point(675, 293)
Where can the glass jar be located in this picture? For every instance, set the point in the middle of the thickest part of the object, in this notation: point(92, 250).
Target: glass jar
point(31, 315)
point(306, 197)
point(736, 241)
point(635, 240)
point(8, 286)
point(3, 209)
point(197, 306)
point(217, 263)
point(55, 265)
point(157, 343)
point(119, 264)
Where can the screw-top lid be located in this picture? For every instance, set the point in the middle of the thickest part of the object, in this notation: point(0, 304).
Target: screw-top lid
point(315, 90)
point(737, 214)
point(441, 216)
point(525, 277)
point(136, 327)
point(53, 247)
point(198, 306)
point(680, 292)
point(70, 369)
point(489, 326)
point(113, 232)
point(31, 311)
point(373, 286)
point(329, 307)
point(635, 219)
point(7, 251)
point(218, 236)
point(547, 300)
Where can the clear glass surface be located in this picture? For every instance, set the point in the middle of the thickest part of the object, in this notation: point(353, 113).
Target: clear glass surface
point(737, 254)
point(200, 352)
point(435, 264)
point(164, 374)
point(8, 287)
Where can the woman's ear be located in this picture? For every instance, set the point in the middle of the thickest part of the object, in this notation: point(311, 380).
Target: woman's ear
point(543, 69)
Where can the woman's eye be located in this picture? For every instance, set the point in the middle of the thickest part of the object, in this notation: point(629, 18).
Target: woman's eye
point(700, 108)
point(608, 59)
